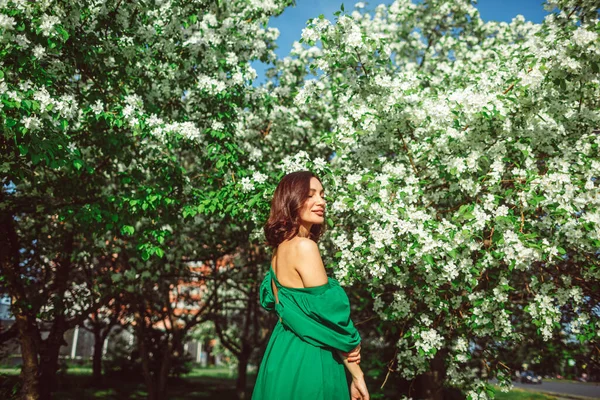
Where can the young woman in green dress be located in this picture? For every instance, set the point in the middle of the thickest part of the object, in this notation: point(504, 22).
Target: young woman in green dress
point(314, 338)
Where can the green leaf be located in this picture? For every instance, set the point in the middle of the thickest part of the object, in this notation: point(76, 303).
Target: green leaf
point(159, 252)
point(127, 229)
point(23, 149)
point(428, 258)
point(62, 31)
point(77, 164)
point(116, 277)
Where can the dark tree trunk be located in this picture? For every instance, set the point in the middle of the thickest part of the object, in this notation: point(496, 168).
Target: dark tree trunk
point(430, 385)
point(146, 370)
point(29, 370)
point(242, 369)
point(101, 331)
point(165, 367)
point(97, 360)
point(156, 380)
point(29, 336)
point(49, 351)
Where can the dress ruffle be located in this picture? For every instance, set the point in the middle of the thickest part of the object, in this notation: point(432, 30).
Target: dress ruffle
point(318, 315)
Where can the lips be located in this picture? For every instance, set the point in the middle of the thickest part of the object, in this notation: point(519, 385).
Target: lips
point(319, 213)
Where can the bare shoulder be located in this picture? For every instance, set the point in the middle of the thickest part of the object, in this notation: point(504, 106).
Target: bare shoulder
point(308, 262)
point(302, 244)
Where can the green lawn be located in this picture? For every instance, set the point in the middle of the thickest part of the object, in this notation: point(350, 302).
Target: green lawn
point(199, 387)
point(201, 383)
point(517, 394)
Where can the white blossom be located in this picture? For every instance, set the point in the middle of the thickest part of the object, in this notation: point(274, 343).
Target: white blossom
point(39, 51)
point(247, 184)
point(7, 23)
point(47, 23)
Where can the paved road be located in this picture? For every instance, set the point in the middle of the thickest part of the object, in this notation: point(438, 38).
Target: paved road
point(580, 389)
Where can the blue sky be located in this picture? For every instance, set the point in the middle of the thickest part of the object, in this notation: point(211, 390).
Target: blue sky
point(291, 22)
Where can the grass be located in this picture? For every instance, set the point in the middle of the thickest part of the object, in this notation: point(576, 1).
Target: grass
point(518, 394)
point(9, 371)
point(201, 383)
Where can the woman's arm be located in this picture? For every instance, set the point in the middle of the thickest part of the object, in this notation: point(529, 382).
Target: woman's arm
point(358, 388)
point(352, 367)
point(353, 355)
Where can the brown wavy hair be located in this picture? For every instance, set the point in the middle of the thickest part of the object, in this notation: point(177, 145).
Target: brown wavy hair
point(284, 219)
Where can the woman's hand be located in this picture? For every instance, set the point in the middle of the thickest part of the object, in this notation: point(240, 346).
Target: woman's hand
point(353, 355)
point(358, 389)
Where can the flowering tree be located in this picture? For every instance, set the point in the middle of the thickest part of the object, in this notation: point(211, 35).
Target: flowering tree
point(118, 117)
point(463, 186)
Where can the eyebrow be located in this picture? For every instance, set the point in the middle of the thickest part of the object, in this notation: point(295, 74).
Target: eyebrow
point(314, 190)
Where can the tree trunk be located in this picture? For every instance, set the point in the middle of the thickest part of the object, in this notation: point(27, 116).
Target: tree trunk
point(97, 360)
point(430, 385)
point(242, 368)
point(146, 370)
point(49, 364)
point(29, 370)
point(165, 367)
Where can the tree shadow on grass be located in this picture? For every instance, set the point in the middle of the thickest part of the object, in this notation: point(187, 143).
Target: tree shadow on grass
point(77, 387)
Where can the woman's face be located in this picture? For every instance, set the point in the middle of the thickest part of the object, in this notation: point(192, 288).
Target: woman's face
point(313, 210)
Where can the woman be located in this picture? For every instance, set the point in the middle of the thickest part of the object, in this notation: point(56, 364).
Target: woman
point(314, 337)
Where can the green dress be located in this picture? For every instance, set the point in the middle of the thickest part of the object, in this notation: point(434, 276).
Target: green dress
point(300, 361)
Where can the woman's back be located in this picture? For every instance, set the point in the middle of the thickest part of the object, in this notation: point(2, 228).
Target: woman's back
point(297, 263)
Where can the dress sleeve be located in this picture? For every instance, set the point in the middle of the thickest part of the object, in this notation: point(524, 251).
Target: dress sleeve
point(266, 298)
point(323, 319)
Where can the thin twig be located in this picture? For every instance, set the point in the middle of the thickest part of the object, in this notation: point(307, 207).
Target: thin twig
point(408, 154)
point(390, 369)
point(522, 219)
point(362, 65)
point(366, 320)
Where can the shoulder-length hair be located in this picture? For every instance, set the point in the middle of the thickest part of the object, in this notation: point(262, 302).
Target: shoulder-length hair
point(284, 218)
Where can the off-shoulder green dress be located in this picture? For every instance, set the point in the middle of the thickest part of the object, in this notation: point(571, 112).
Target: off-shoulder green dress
point(300, 361)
